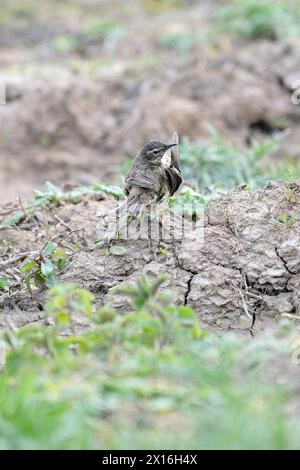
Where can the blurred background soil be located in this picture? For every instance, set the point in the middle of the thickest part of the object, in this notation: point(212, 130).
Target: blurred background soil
point(89, 81)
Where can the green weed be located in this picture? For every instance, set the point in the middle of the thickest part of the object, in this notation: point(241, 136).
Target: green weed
point(182, 42)
point(54, 196)
point(66, 44)
point(104, 29)
point(4, 284)
point(221, 163)
point(43, 269)
point(131, 378)
point(285, 218)
point(254, 19)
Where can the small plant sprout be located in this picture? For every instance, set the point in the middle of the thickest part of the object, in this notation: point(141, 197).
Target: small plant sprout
point(54, 196)
point(285, 218)
point(108, 29)
point(143, 292)
point(181, 42)
point(43, 269)
point(65, 300)
point(4, 284)
point(255, 19)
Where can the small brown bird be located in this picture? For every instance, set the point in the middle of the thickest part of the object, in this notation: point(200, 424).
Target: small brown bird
point(153, 177)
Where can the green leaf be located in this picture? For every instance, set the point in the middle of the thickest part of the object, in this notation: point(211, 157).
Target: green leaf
point(118, 250)
point(60, 259)
point(62, 318)
point(107, 28)
point(65, 44)
point(74, 197)
point(27, 281)
point(49, 249)
point(182, 42)
point(13, 219)
point(99, 244)
point(39, 279)
point(163, 251)
point(51, 188)
point(4, 284)
point(47, 267)
point(186, 312)
point(115, 191)
point(28, 265)
point(51, 280)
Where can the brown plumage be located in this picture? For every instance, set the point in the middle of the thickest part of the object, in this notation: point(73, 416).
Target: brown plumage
point(151, 180)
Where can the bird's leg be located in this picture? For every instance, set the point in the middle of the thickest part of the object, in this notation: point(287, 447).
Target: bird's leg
point(169, 229)
point(156, 225)
point(115, 234)
point(152, 249)
point(177, 226)
point(160, 227)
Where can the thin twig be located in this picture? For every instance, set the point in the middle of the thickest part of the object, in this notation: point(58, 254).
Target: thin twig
point(13, 275)
point(245, 306)
point(56, 217)
point(8, 211)
point(254, 296)
point(67, 247)
point(22, 207)
point(7, 227)
point(253, 316)
point(71, 232)
point(18, 257)
point(290, 315)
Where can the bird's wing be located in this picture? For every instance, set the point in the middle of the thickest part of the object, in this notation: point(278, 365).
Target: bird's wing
point(174, 179)
point(146, 181)
point(174, 172)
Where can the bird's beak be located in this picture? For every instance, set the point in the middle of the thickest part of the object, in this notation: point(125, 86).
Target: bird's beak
point(169, 146)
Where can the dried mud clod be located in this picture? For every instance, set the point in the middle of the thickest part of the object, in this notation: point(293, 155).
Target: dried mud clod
point(45, 119)
point(246, 267)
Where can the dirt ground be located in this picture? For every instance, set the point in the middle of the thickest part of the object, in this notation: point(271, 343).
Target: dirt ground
point(242, 263)
point(240, 272)
point(82, 97)
point(79, 103)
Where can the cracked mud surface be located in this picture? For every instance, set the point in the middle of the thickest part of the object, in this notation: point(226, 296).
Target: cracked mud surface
point(249, 262)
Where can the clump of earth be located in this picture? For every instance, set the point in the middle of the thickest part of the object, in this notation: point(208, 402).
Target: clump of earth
point(79, 102)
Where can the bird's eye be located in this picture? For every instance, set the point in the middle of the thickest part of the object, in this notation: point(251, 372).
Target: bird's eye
point(155, 151)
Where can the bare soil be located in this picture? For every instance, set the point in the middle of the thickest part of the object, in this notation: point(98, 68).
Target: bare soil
point(248, 263)
point(72, 116)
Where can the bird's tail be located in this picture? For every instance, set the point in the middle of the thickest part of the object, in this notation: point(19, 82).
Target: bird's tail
point(131, 207)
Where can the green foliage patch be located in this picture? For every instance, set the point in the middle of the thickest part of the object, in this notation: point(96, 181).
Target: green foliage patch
point(104, 29)
point(43, 269)
point(222, 164)
point(255, 19)
point(182, 42)
point(53, 196)
point(130, 380)
point(212, 168)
